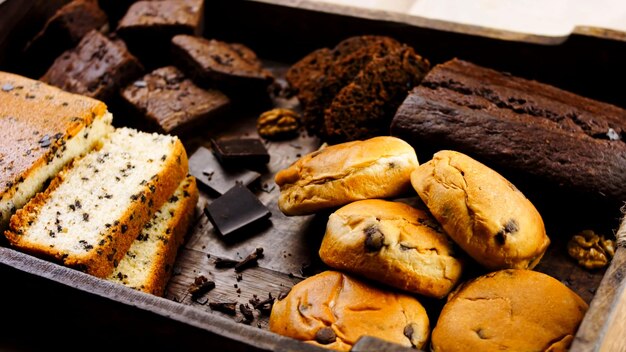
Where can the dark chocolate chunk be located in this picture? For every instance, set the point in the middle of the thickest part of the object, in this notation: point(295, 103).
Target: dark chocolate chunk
point(200, 286)
point(250, 260)
point(208, 170)
point(224, 263)
point(240, 150)
point(236, 209)
point(247, 313)
point(229, 308)
point(325, 335)
point(374, 239)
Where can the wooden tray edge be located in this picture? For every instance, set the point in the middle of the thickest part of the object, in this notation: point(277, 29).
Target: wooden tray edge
point(603, 325)
point(447, 26)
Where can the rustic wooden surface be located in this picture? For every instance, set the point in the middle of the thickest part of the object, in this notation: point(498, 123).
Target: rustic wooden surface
point(291, 242)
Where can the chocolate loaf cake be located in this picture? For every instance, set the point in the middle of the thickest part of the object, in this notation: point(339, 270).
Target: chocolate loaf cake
point(61, 32)
point(525, 128)
point(233, 68)
point(169, 102)
point(364, 108)
point(98, 67)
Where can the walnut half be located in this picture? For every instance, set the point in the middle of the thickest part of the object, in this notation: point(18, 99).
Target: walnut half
point(592, 251)
point(278, 123)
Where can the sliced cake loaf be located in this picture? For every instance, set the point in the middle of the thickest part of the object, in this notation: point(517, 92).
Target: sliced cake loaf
point(148, 264)
point(92, 211)
point(42, 128)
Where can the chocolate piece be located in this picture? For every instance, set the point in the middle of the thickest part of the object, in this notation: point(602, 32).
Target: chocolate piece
point(250, 260)
point(246, 311)
point(172, 103)
point(230, 67)
point(159, 21)
point(98, 67)
point(374, 239)
point(61, 32)
point(521, 128)
point(247, 151)
point(229, 308)
point(225, 263)
point(325, 335)
point(236, 209)
point(200, 286)
point(208, 170)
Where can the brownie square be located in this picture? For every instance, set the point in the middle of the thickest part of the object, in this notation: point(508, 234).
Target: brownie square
point(148, 27)
point(61, 32)
point(171, 103)
point(98, 67)
point(232, 67)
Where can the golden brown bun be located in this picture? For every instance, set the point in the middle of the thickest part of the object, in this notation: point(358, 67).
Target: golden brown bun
point(482, 211)
point(392, 243)
point(378, 167)
point(513, 310)
point(335, 309)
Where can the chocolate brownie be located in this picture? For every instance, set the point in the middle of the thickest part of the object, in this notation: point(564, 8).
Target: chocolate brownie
point(148, 27)
point(171, 102)
point(351, 56)
point(63, 31)
point(364, 108)
point(98, 67)
point(304, 75)
point(522, 127)
point(233, 68)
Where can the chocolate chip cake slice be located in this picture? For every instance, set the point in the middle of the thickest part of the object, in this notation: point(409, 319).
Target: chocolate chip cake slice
point(42, 128)
point(92, 211)
point(148, 264)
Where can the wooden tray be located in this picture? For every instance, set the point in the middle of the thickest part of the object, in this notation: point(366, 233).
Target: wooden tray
point(60, 305)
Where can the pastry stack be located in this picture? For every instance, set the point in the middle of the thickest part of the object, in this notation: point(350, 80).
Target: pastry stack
point(401, 233)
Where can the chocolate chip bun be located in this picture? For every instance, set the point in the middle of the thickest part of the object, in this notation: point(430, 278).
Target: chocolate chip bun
point(378, 167)
point(483, 212)
point(333, 310)
point(392, 243)
point(512, 310)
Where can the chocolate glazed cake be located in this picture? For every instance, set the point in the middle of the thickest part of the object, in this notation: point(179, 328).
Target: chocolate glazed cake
point(526, 128)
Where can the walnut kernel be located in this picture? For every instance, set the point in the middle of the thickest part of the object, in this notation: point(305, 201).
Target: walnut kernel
point(278, 123)
point(590, 250)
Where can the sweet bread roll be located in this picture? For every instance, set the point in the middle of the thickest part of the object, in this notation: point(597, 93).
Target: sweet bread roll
point(378, 167)
point(483, 212)
point(333, 310)
point(512, 310)
point(392, 243)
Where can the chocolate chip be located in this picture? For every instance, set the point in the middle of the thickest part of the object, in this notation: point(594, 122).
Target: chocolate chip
point(229, 308)
point(510, 227)
point(408, 331)
point(373, 239)
point(7, 87)
point(45, 141)
point(480, 333)
point(325, 336)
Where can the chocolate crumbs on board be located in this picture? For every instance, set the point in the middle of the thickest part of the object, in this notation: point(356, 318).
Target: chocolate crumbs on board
point(250, 260)
point(200, 286)
point(229, 308)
